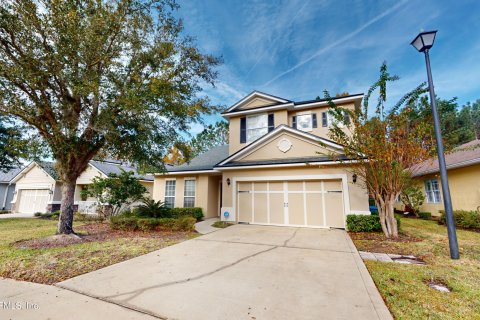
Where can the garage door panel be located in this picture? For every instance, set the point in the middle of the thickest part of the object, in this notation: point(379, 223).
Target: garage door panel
point(260, 203)
point(313, 185)
point(295, 209)
point(314, 203)
point(334, 210)
point(32, 200)
point(244, 186)
point(276, 208)
point(332, 185)
point(314, 209)
point(295, 186)
point(276, 186)
point(244, 206)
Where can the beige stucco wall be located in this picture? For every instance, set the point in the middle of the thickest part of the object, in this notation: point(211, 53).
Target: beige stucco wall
point(206, 192)
point(280, 117)
point(319, 130)
point(300, 148)
point(357, 195)
point(256, 102)
point(464, 190)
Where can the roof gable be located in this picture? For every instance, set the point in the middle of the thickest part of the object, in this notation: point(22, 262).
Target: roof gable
point(37, 171)
point(257, 99)
point(285, 143)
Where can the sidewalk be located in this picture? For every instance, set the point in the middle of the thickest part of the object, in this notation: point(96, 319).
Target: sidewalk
point(205, 226)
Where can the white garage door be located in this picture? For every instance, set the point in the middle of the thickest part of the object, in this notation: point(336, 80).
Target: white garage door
point(309, 203)
point(34, 200)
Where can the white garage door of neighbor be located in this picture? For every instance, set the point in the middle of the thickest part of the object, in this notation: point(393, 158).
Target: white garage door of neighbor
point(291, 203)
point(33, 200)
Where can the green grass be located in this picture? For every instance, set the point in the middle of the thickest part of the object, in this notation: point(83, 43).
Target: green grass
point(50, 265)
point(405, 287)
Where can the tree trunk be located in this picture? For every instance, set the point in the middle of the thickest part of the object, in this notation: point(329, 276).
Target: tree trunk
point(390, 215)
point(381, 214)
point(65, 221)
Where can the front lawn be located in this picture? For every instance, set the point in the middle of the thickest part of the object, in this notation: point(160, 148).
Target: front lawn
point(405, 287)
point(100, 247)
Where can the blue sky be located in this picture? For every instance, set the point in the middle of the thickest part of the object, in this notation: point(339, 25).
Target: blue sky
point(296, 49)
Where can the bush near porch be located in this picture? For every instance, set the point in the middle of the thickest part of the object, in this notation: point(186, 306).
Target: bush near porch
point(365, 223)
point(405, 287)
point(463, 219)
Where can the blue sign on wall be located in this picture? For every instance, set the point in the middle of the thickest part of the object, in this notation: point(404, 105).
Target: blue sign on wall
point(226, 214)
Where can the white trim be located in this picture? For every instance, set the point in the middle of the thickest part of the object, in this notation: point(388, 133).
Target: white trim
point(342, 176)
point(256, 94)
point(305, 203)
point(324, 207)
point(257, 110)
point(326, 103)
point(299, 164)
point(272, 133)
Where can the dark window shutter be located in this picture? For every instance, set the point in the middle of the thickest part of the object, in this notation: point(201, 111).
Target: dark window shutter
point(243, 130)
point(324, 119)
point(294, 122)
point(314, 120)
point(346, 118)
point(271, 122)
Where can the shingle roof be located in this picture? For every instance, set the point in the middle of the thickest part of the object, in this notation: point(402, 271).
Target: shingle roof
point(115, 167)
point(49, 168)
point(5, 177)
point(282, 161)
point(205, 161)
point(464, 155)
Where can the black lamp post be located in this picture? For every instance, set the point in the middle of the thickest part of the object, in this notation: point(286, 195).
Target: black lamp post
point(423, 42)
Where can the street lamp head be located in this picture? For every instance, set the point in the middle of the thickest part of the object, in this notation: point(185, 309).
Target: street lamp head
point(424, 40)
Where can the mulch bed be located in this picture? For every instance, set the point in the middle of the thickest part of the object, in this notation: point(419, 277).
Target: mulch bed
point(96, 232)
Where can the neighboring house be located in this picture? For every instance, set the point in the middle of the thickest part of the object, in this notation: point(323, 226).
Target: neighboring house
point(463, 169)
point(38, 187)
point(7, 188)
point(276, 170)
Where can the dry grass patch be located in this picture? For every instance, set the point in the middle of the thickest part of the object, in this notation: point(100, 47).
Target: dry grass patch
point(405, 288)
point(29, 250)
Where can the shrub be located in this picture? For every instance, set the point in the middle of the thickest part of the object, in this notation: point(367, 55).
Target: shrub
point(152, 209)
point(463, 218)
point(365, 223)
point(166, 223)
point(196, 212)
point(184, 223)
point(147, 224)
point(124, 222)
point(48, 215)
point(425, 215)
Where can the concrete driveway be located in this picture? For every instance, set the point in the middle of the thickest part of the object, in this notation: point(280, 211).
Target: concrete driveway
point(243, 272)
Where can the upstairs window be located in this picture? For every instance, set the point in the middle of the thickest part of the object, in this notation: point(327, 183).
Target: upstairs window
point(305, 122)
point(257, 126)
point(170, 193)
point(432, 190)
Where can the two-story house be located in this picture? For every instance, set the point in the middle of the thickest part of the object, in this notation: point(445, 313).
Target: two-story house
point(276, 170)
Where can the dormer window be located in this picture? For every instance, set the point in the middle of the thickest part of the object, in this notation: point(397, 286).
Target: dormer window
point(305, 122)
point(257, 126)
point(253, 127)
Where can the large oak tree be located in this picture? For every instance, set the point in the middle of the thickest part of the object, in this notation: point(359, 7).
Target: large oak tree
point(95, 77)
